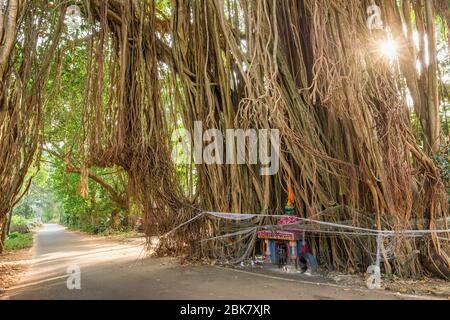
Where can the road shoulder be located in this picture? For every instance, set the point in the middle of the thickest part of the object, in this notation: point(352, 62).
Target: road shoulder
point(13, 266)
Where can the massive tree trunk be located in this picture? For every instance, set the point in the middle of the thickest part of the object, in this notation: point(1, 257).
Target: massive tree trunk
point(308, 68)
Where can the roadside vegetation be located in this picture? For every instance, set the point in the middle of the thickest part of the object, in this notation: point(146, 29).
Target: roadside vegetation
point(19, 241)
point(20, 234)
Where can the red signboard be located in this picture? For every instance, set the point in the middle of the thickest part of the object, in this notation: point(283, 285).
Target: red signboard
point(279, 235)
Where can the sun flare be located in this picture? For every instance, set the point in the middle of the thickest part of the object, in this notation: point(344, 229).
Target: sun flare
point(388, 49)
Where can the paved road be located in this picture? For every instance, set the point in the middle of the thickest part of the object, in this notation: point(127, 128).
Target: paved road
point(114, 270)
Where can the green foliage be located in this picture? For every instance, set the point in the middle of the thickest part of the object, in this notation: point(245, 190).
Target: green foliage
point(19, 220)
point(93, 214)
point(63, 133)
point(18, 241)
point(443, 163)
point(39, 202)
point(23, 225)
point(14, 235)
point(25, 209)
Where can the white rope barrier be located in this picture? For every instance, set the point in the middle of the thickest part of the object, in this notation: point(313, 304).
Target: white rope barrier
point(342, 229)
point(363, 231)
point(359, 231)
point(183, 224)
point(228, 235)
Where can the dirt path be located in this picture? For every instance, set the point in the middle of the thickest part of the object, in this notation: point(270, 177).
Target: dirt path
point(114, 270)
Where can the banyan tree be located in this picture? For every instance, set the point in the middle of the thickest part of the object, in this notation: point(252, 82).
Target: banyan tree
point(312, 69)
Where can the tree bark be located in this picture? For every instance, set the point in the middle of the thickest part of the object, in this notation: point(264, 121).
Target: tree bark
point(433, 87)
point(2, 232)
point(8, 228)
point(7, 38)
point(9, 33)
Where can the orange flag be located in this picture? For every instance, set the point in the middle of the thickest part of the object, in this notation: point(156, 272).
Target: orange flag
point(291, 198)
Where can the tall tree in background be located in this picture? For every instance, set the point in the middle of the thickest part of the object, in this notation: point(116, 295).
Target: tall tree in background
point(418, 61)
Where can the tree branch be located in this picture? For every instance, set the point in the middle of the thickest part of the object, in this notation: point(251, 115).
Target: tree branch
point(115, 196)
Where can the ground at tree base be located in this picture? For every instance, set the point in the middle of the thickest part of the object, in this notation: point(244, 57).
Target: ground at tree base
point(436, 287)
point(425, 286)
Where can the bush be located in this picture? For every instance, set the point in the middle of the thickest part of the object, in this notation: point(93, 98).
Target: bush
point(19, 220)
point(18, 241)
point(13, 235)
point(23, 225)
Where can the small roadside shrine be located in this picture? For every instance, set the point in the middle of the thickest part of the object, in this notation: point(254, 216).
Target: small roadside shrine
point(286, 244)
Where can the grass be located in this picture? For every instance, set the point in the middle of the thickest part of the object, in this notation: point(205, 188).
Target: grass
point(18, 241)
